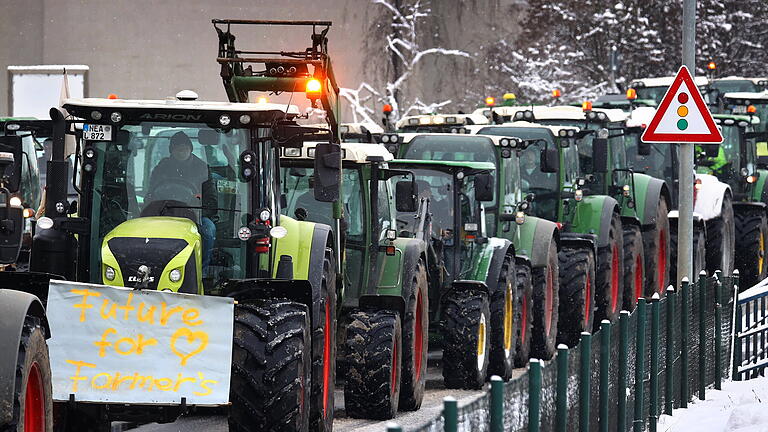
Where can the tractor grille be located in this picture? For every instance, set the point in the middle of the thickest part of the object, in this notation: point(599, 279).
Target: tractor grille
point(131, 253)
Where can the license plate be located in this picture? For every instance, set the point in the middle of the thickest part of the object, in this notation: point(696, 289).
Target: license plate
point(97, 132)
point(740, 109)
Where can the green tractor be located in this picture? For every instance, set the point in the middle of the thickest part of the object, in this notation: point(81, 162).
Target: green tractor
point(384, 316)
point(644, 200)
point(479, 290)
point(535, 240)
point(734, 162)
point(593, 262)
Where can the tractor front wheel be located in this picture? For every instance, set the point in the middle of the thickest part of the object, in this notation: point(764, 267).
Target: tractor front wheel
point(577, 295)
point(523, 313)
point(270, 384)
point(503, 324)
point(415, 339)
point(32, 403)
point(465, 339)
point(634, 266)
point(546, 303)
point(656, 242)
point(324, 347)
point(374, 355)
point(610, 274)
point(751, 236)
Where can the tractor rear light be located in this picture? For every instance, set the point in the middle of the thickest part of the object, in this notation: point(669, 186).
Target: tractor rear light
point(391, 250)
point(109, 273)
point(175, 275)
point(631, 94)
point(261, 245)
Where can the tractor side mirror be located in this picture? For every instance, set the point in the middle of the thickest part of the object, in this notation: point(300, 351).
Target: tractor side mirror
point(11, 231)
point(484, 187)
point(405, 196)
point(711, 150)
point(600, 155)
point(327, 176)
point(293, 135)
point(10, 162)
point(208, 137)
point(550, 160)
point(643, 149)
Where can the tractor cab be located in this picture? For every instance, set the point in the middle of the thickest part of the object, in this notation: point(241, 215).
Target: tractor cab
point(752, 105)
point(34, 135)
point(736, 84)
point(439, 123)
point(655, 88)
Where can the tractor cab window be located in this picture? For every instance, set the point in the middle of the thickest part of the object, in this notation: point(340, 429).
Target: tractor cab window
point(654, 93)
point(184, 170)
point(727, 164)
point(545, 186)
point(734, 86)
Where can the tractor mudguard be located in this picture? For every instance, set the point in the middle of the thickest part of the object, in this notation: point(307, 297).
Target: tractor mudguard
point(744, 206)
point(758, 194)
point(379, 302)
point(535, 237)
point(305, 243)
point(242, 290)
point(648, 191)
point(14, 307)
point(698, 221)
point(709, 199)
point(398, 268)
point(29, 282)
point(465, 286)
point(579, 241)
point(593, 214)
point(487, 265)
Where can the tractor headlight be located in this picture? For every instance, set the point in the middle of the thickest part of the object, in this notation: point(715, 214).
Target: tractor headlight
point(96, 115)
point(175, 275)
point(385, 138)
point(116, 117)
point(45, 223)
point(109, 273)
point(264, 215)
point(224, 119)
point(245, 119)
point(520, 218)
point(625, 190)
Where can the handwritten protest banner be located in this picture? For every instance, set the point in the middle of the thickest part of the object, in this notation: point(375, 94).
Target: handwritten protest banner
point(146, 347)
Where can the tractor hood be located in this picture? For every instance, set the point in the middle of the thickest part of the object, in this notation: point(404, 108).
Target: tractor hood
point(170, 248)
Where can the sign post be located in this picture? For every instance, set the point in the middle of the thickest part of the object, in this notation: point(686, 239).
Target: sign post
point(685, 221)
point(683, 117)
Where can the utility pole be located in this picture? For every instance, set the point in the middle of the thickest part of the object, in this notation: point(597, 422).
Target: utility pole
point(686, 175)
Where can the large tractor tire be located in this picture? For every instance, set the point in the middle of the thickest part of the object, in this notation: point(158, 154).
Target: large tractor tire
point(546, 303)
point(324, 348)
point(609, 288)
point(270, 367)
point(657, 252)
point(466, 318)
point(721, 241)
point(523, 313)
point(751, 236)
point(577, 295)
point(415, 339)
point(503, 324)
point(32, 399)
point(634, 266)
point(374, 356)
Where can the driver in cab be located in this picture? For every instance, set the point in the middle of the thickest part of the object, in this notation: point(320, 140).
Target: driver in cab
point(184, 167)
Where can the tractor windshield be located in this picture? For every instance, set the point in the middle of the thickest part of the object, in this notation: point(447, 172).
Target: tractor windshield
point(732, 157)
point(733, 86)
point(186, 170)
point(660, 163)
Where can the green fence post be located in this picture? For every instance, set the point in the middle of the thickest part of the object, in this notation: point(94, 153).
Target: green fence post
point(638, 424)
point(686, 291)
point(702, 282)
point(737, 328)
point(654, 397)
point(561, 416)
point(718, 330)
point(394, 427)
point(534, 395)
point(669, 358)
point(621, 415)
point(450, 414)
point(497, 404)
point(584, 382)
point(605, 362)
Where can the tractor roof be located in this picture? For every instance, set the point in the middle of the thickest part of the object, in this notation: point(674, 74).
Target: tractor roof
point(737, 117)
point(565, 112)
point(473, 166)
point(664, 82)
point(755, 80)
point(408, 137)
point(552, 129)
point(175, 104)
point(351, 152)
point(761, 96)
point(641, 116)
point(442, 119)
point(360, 128)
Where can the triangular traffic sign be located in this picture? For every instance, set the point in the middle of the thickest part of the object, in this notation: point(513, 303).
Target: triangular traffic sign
point(682, 116)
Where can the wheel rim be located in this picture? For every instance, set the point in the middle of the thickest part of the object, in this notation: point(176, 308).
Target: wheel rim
point(549, 301)
point(761, 254)
point(614, 278)
point(524, 321)
point(588, 303)
point(481, 343)
point(394, 377)
point(326, 354)
point(34, 401)
point(418, 342)
point(662, 260)
point(638, 278)
point(508, 314)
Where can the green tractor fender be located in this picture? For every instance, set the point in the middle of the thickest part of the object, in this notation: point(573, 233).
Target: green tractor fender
point(760, 193)
point(15, 306)
point(536, 235)
point(488, 264)
point(593, 214)
point(648, 192)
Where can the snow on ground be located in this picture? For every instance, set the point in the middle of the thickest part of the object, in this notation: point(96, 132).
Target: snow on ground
point(740, 407)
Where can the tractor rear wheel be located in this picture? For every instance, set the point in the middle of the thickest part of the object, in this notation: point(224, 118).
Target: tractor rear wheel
point(324, 347)
point(270, 385)
point(32, 403)
point(523, 313)
point(465, 339)
point(374, 355)
point(503, 324)
point(751, 236)
point(610, 274)
point(634, 266)
point(546, 304)
point(577, 295)
point(415, 340)
point(721, 241)
point(657, 255)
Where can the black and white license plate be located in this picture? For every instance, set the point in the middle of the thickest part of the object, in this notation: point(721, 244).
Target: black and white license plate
point(97, 132)
point(740, 109)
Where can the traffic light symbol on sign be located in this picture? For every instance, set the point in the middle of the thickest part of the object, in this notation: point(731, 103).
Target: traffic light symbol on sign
point(682, 111)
